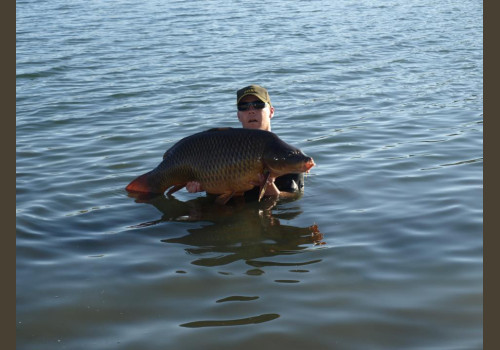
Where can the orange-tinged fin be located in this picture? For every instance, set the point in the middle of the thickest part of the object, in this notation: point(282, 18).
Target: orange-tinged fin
point(264, 186)
point(140, 184)
point(224, 198)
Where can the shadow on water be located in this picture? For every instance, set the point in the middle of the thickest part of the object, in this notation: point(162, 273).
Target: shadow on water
point(236, 231)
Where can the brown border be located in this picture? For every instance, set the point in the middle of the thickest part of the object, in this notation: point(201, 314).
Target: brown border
point(491, 161)
point(490, 189)
point(8, 140)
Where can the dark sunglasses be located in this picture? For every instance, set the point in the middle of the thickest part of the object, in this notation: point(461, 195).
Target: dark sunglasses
point(245, 106)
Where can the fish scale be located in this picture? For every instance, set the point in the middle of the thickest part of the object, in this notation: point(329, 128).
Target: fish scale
point(230, 166)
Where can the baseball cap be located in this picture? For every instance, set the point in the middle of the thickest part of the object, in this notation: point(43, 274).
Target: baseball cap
point(256, 90)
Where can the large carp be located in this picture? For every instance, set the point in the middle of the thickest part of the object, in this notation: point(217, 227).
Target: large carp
point(224, 161)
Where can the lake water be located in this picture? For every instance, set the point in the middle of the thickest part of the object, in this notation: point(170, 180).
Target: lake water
point(384, 250)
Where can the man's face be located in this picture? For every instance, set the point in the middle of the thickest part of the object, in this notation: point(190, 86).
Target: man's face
point(255, 118)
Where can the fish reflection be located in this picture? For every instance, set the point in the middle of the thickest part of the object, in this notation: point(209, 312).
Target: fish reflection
point(235, 231)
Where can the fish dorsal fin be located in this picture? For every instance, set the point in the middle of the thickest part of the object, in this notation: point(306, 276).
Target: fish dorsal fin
point(218, 129)
point(209, 130)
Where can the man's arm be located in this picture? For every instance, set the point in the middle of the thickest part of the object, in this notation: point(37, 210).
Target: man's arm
point(290, 183)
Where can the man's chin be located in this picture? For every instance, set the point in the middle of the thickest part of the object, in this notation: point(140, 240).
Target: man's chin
point(253, 125)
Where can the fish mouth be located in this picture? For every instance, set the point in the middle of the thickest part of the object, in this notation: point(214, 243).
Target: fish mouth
point(309, 164)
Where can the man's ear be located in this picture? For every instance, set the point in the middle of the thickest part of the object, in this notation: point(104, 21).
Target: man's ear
point(271, 114)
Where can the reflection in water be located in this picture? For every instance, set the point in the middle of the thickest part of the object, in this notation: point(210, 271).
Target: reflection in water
point(238, 322)
point(235, 231)
point(249, 231)
point(237, 298)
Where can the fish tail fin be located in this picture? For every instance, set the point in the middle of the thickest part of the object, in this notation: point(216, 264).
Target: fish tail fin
point(141, 184)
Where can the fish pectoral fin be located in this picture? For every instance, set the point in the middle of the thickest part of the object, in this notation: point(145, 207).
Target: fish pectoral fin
point(224, 198)
point(263, 187)
point(174, 189)
point(268, 187)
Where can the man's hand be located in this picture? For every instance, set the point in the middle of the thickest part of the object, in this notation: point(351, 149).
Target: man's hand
point(193, 187)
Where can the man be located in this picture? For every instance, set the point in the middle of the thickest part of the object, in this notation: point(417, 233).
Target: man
point(255, 112)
